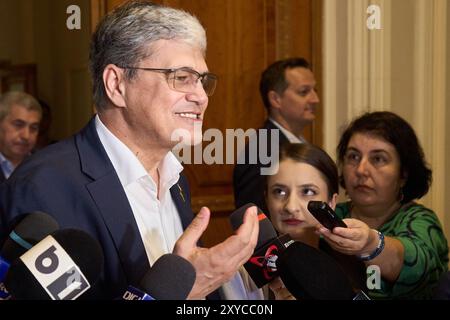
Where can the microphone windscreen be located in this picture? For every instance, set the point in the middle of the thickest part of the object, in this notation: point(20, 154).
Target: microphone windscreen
point(310, 274)
point(85, 252)
point(170, 278)
point(32, 228)
point(266, 230)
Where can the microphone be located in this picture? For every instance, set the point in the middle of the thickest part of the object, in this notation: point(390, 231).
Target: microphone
point(31, 229)
point(170, 278)
point(62, 266)
point(262, 266)
point(34, 227)
point(310, 274)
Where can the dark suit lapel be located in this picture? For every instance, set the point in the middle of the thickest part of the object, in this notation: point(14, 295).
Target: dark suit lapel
point(2, 176)
point(181, 197)
point(110, 198)
point(270, 126)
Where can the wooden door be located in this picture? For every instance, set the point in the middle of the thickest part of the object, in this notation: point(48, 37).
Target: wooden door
point(244, 37)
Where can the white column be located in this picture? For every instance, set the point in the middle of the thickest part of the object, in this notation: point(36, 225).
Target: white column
point(380, 60)
point(438, 201)
point(329, 95)
point(358, 58)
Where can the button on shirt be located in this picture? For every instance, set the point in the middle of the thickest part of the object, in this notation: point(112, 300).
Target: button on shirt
point(158, 220)
point(6, 166)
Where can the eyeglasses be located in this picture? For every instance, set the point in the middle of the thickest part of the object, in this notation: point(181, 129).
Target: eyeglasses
point(185, 79)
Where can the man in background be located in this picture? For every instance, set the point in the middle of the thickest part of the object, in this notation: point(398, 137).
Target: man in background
point(287, 88)
point(20, 115)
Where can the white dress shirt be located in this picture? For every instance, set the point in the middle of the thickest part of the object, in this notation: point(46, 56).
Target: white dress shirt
point(158, 220)
point(289, 135)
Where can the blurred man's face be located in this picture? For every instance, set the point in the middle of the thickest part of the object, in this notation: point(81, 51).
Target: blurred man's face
point(297, 104)
point(18, 133)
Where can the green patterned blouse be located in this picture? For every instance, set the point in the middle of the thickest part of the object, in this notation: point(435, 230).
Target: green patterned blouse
point(426, 252)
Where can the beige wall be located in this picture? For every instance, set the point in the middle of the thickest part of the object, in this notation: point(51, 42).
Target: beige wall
point(34, 31)
point(447, 133)
point(404, 68)
point(16, 18)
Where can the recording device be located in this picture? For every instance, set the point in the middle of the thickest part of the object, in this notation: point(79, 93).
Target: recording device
point(310, 274)
point(262, 266)
point(62, 266)
point(170, 278)
point(325, 215)
point(31, 229)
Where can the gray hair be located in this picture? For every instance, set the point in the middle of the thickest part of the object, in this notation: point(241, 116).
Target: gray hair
point(9, 99)
point(123, 37)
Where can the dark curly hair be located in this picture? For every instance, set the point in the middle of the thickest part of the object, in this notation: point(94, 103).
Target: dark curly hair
point(395, 130)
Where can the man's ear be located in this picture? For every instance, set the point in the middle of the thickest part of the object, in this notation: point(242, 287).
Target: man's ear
point(332, 202)
point(114, 82)
point(274, 99)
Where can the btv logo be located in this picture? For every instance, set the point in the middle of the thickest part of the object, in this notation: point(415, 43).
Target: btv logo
point(55, 270)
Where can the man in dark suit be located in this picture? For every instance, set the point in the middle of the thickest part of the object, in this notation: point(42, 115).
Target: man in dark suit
point(20, 115)
point(287, 88)
point(117, 179)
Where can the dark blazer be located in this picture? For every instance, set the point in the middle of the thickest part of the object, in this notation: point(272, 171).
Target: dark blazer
point(75, 182)
point(248, 183)
point(2, 176)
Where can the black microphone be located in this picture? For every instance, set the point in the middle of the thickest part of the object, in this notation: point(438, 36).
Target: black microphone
point(262, 266)
point(32, 228)
point(170, 278)
point(310, 274)
point(62, 266)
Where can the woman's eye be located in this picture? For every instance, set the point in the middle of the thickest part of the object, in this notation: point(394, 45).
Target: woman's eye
point(279, 192)
point(352, 157)
point(379, 160)
point(309, 192)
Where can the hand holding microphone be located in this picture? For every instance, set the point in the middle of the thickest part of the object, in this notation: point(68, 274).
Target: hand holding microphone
point(306, 272)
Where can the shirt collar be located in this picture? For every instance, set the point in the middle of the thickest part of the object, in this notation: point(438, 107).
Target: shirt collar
point(289, 135)
point(6, 166)
point(127, 165)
